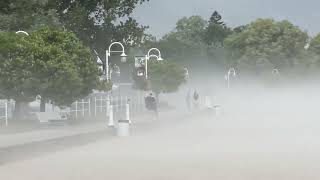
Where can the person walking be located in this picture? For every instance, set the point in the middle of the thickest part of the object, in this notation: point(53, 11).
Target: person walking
point(151, 104)
point(188, 100)
point(196, 100)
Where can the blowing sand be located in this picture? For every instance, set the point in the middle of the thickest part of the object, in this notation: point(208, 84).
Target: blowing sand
point(266, 141)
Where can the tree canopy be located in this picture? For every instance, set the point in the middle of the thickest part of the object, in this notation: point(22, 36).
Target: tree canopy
point(96, 22)
point(315, 45)
point(216, 31)
point(163, 77)
point(196, 38)
point(185, 39)
point(267, 41)
point(51, 63)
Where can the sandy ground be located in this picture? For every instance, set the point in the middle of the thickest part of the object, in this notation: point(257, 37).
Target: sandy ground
point(267, 141)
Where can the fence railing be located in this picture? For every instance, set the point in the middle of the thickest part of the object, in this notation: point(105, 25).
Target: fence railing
point(4, 112)
point(91, 107)
point(99, 105)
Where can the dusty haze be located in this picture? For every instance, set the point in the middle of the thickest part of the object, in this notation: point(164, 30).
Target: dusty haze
point(264, 132)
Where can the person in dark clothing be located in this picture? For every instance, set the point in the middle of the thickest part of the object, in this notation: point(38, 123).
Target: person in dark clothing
point(195, 95)
point(151, 103)
point(195, 100)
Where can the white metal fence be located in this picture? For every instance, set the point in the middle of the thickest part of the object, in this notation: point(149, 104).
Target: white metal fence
point(98, 105)
point(91, 107)
point(81, 108)
point(4, 112)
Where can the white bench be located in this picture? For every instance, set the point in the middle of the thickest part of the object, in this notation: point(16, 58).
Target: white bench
point(50, 117)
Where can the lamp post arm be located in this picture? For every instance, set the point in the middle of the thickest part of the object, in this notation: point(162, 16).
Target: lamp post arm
point(154, 49)
point(116, 43)
point(23, 32)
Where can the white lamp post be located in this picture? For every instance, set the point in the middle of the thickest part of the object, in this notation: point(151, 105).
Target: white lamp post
point(233, 72)
point(148, 56)
point(108, 54)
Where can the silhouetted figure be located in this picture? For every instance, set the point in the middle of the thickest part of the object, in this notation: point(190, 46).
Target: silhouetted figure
point(195, 100)
point(188, 100)
point(151, 103)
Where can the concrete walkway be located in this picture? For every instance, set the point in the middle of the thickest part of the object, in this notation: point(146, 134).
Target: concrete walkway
point(201, 147)
point(240, 145)
point(50, 133)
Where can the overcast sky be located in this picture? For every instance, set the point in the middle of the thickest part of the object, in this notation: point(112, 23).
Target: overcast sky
point(161, 15)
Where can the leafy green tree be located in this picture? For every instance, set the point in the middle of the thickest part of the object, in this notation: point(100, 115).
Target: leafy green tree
point(96, 22)
point(239, 29)
point(163, 77)
point(214, 35)
point(26, 15)
point(15, 63)
point(266, 41)
point(185, 40)
point(190, 30)
point(216, 31)
point(315, 45)
point(99, 22)
point(51, 63)
point(313, 53)
point(104, 85)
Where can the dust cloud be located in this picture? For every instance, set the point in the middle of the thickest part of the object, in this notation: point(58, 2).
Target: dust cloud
point(263, 132)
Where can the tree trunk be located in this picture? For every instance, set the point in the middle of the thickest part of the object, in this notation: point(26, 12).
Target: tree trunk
point(42, 105)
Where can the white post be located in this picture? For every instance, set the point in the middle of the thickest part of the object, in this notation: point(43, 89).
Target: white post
point(134, 105)
point(76, 109)
point(111, 122)
point(107, 65)
point(89, 108)
point(121, 104)
point(128, 112)
point(139, 102)
point(95, 106)
point(146, 66)
point(107, 109)
point(116, 102)
point(101, 103)
point(108, 103)
point(83, 108)
point(6, 112)
point(233, 71)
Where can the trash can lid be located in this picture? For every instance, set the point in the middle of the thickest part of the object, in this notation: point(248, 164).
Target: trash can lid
point(123, 121)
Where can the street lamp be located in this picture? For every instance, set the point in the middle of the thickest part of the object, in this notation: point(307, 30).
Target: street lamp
point(108, 54)
point(148, 56)
point(22, 32)
point(233, 72)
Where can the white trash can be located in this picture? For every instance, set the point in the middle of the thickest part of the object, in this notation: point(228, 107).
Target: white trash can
point(208, 103)
point(217, 110)
point(123, 128)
